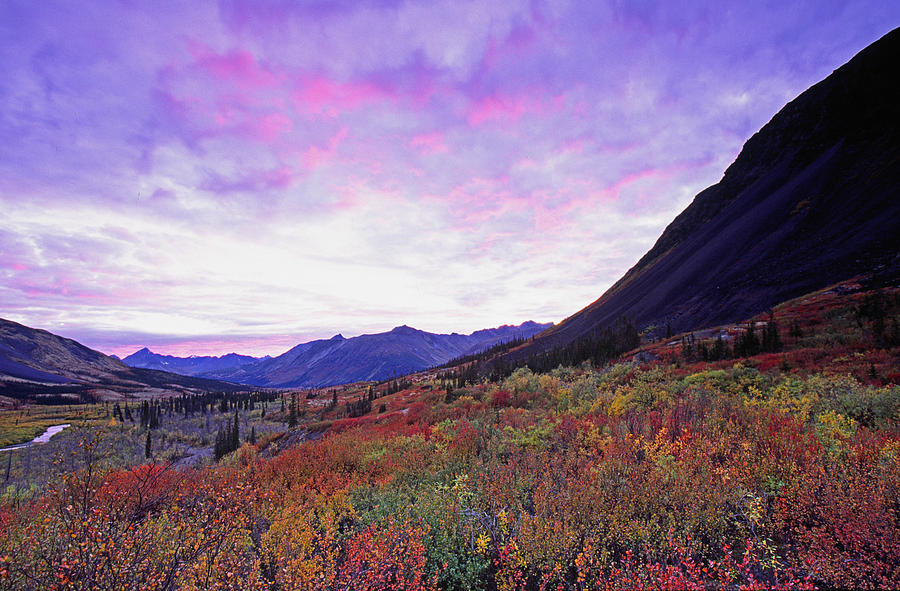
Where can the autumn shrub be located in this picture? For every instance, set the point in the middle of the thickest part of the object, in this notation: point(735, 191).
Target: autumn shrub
point(385, 556)
point(840, 521)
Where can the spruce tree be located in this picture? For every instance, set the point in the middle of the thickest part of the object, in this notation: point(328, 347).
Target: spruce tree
point(292, 415)
point(235, 433)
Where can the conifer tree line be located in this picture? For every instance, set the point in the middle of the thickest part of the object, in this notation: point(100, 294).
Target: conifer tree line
point(486, 353)
point(746, 344)
point(361, 406)
point(598, 346)
point(396, 385)
point(882, 312)
point(228, 437)
point(150, 413)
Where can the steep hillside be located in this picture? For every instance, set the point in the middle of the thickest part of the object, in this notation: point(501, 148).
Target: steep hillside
point(812, 199)
point(36, 364)
point(368, 357)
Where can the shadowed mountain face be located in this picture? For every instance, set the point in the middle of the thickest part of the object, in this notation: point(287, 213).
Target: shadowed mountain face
point(367, 357)
point(812, 199)
point(38, 364)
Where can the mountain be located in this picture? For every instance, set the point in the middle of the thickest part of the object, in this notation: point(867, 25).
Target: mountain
point(188, 366)
point(368, 357)
point(39, 365)
point(812, 199)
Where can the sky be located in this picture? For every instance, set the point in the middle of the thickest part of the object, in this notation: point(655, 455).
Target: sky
point(202, 177)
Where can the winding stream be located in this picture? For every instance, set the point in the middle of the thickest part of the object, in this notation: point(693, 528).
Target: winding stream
point(40, 439)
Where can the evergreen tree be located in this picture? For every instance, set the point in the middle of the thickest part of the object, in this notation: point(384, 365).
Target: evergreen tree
point(720, 349)
point(219, 448)
point(153, 416)
point(771, 341)
point(148, 446)
point(747, 344)
point(235, 433)
point(451, 395)
point(145, 414)
point(292, 415)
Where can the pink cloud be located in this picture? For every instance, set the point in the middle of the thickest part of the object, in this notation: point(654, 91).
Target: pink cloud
point(273, 125)
point(279, 177)
point(495, 107)
point(487, 244)
point(509, 108)
point(318, 94)
point(515, 45)
point(548, 220)
point(574, 145)
point(480, 200)
point(612, 192)
point(315, 156)
point(235, 94)
point(429, 143)
point(73, 289)
point(238, 67)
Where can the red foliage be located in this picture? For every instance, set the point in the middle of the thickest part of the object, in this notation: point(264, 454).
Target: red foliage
point(386, 557)
point(843, 524)
point(501, 398)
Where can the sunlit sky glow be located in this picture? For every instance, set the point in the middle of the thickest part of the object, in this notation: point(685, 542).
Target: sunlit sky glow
point(245, 175)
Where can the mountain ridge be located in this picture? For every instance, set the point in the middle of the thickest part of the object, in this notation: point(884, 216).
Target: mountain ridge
point(36, 364)
point(339, 360)
point(193, 365)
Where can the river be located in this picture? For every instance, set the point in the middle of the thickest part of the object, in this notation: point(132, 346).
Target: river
point(40, 439)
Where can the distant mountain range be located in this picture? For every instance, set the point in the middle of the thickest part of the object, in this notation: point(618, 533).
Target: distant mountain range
point(189, 366)
point(339, 360)
point(39, 365)
point(812, 199)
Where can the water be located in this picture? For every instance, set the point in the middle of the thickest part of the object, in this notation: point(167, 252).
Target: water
point(40, 439)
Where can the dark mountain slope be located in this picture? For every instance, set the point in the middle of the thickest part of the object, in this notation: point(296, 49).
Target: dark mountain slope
point(812, 199)
point(369, 357)
point(35, 363)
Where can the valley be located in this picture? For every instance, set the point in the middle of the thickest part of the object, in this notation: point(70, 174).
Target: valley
point(494, 484)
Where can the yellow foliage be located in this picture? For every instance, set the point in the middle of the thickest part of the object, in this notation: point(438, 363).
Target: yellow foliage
point(661, 446)
point(833, 427)
point(482, 543)
point(619, 404)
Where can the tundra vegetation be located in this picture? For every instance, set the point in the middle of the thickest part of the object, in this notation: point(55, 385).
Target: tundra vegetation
point(773, 465)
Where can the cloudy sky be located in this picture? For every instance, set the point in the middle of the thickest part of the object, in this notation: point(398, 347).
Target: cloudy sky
point(245, 175)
